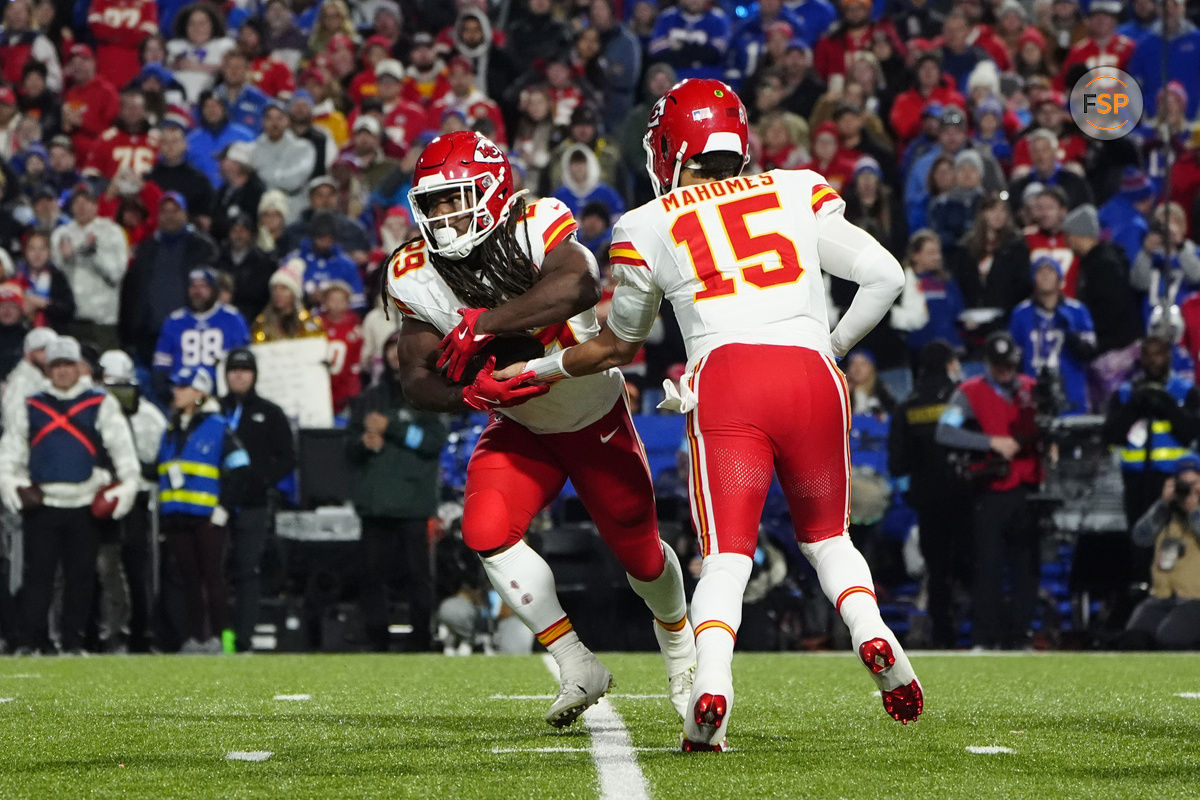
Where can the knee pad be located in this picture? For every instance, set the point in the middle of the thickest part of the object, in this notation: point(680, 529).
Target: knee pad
point(485, 524)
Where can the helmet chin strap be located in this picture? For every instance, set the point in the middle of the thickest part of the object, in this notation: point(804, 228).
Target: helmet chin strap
point(678, 166)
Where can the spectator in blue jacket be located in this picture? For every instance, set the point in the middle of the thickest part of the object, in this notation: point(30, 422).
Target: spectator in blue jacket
point(1182, 41)
point(692, 37)
point(200, 466)
point(244, 101)
point(324, 261)
point(197, 335)
point(1124, 215)
point(749, 42)
point(1055, 333)
point(943, 299)
point(214, 134)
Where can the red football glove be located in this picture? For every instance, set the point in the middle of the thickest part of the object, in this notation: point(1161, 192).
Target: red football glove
point(487, 393)
point(462, 343)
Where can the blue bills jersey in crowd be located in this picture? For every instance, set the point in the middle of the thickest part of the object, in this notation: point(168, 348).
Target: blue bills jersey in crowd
point(1045, 337)
point(199, 339)
point(321, 268)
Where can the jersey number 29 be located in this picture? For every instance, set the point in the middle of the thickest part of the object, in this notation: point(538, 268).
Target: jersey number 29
point(689, 231)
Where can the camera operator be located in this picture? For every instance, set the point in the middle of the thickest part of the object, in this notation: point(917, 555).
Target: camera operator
point(1153, 420)
point(934, 491)
point(1001, 407)
point(1170, 616)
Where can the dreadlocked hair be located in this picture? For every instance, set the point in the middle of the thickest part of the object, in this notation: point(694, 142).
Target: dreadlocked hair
point(504, 271)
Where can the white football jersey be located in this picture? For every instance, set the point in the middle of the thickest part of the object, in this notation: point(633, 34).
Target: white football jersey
point(419, 291)
point(737, 259)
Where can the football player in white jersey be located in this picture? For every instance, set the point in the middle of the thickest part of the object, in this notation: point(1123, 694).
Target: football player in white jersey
point(740, 259)
point(487, 263)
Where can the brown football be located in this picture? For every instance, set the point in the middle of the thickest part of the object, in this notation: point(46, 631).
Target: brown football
point(101, 508)
point(31, 496)
point(508, 348)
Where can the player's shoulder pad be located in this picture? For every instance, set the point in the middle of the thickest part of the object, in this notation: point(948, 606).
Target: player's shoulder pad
point(408, 272)
point(549, 220)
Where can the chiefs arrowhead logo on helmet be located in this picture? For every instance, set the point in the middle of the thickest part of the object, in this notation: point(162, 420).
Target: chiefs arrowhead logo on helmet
point(696, 116)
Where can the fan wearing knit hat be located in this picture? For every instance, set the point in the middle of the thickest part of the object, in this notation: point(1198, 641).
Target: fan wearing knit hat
point(285, 316)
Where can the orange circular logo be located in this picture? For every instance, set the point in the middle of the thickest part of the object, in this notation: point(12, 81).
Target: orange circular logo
point(1106, 103)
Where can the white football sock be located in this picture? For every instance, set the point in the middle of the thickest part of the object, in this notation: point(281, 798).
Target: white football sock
point(846, 581)
point(717, 614)
point(665, 598)
point(524, 581)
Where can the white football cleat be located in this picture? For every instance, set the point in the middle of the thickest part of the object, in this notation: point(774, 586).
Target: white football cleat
point(583, 680)
point(678, 650)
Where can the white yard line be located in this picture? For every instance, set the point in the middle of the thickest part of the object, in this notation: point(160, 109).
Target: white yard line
point(989, 750)
point(249, 755)
point(1188, 695)
point(293, 697)
point(612, 750)
point(551, 697)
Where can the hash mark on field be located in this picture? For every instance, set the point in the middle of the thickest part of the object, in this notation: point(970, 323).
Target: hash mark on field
point(612, 749)
point(989, 750)
point(7, 699)
point(22, 675)
point(249, 755)
point(1188, 695)
point(293, 697)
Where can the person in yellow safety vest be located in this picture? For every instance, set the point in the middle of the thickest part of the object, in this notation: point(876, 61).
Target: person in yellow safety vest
point(200, 465)
point(1153, 421)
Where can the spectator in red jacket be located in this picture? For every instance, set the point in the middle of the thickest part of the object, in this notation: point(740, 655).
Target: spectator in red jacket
point(119, 28)
point(267, 71)
point(90, 105)
point(854, 32)
point(344, 330)
point(828, 157)
point(931, 86)
point(1103, 47)
point(129, 144)
point(22, 42)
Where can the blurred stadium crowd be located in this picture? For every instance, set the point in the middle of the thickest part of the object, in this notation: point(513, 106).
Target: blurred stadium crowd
point(181, 179)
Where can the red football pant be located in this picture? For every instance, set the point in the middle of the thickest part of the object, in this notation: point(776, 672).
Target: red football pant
point(763, 409)
point(515, 473)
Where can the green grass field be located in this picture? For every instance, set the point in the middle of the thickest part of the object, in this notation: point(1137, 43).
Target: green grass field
point(1080, 725)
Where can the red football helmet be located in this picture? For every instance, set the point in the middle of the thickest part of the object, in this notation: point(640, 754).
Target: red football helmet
point(698, 115)
point(478, 170)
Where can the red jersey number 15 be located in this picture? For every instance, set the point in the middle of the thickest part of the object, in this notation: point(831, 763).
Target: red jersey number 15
point(689, 231)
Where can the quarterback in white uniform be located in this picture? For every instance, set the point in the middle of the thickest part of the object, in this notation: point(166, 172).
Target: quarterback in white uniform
point(488, 264)
point(740, 259)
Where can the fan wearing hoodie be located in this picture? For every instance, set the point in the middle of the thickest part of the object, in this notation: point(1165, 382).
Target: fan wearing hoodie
point(472, 38)
point(212, 136)
point(581, 183)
